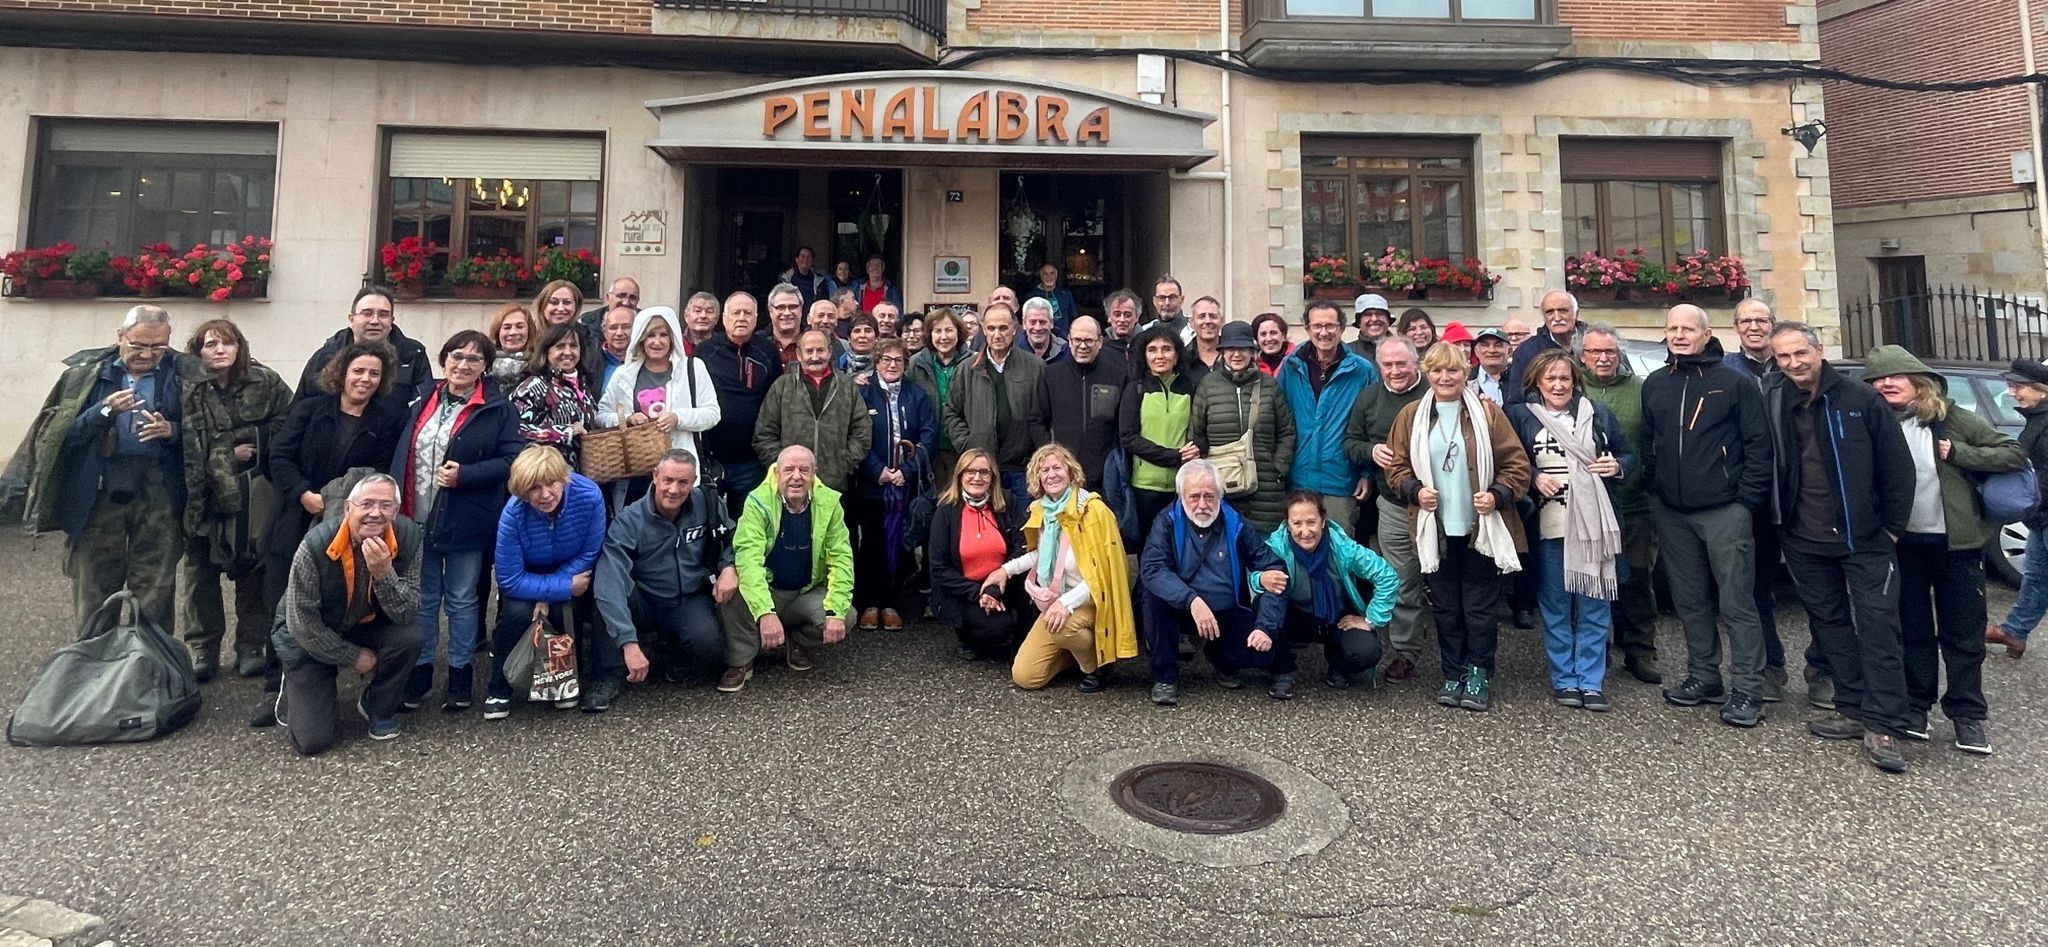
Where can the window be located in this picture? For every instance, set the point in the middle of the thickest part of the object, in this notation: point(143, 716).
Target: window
point(1454, 11)
point(480, 193)
point(1661, 195)
point(126, 185)
point(1360, 196)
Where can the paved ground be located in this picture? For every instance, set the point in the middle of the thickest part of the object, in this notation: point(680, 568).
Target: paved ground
point(897, 796)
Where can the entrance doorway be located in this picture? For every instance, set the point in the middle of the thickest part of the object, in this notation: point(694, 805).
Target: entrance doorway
point(1902, 293)
point(760, 216)
point(1076, 222)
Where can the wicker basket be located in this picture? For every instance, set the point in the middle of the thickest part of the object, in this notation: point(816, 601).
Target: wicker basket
point(621, 452)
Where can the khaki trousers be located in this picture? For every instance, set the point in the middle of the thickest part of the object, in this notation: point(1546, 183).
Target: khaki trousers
point(1044, 654)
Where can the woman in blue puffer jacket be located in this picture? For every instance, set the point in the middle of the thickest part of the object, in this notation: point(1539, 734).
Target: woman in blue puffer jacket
point(549, 538)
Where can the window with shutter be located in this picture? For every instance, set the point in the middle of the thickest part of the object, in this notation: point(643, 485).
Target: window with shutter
point(1361, 195)
point(1662, 195)
point(476, 194)
point(127, 185)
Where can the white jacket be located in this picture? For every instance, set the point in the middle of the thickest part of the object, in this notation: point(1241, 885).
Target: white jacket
point(698, 414)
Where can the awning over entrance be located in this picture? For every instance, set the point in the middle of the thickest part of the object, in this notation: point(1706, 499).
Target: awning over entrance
point(931, 116)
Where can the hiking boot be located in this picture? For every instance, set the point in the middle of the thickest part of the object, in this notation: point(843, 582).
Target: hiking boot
point(892, 620)
point(870, 619)
point(461, 689)
point(1643, 667)
point(1595, 701)
point(1774, 685)
point(1883, 752)
point(1449, 694)
point(735, 679)
point(1478, 693)
point(1337, 680)
point(797, 658)
point(416, 687)
point(1568, 697)
point(599, 697)
point(205, 666)
point(1972, 738)
point(1694, 692)
point(1230, 680)
point(1399, 669)
point(1166, 695)
point(266, 712)
point(1282, 687)
point(1835, 727)
point(1094, 681)
point(1525, 618)
point(497, 708)
point(1743, 710)
point(251, 664)
point(1820, 692)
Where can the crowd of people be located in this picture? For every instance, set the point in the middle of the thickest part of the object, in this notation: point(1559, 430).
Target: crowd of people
point(1065, 492)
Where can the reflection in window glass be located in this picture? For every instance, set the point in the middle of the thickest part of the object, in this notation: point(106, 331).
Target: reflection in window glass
point(1497, 9)
point(1635, 217)
point(1691, 220)
point(1412, 9)
point(1322, 217)
point(1582, 218)
point(1382, 211)
point(1352, 8)
point(1443, 219)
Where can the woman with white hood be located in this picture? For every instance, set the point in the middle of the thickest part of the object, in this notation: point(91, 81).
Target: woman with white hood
point(660, 385)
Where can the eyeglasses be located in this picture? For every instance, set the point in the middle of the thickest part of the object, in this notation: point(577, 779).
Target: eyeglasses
point(157, 349)
point(466, 358)
point(375, 506)
point(1602, 353)
point(889, 360)
point(1451, 456)
point(1166, 296)
point(977, 472)
point(1754, 321)
point(374, 313)
point(1077, 341)
point(622, 297)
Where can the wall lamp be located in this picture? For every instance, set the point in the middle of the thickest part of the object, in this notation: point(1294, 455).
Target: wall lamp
point(1806, 133)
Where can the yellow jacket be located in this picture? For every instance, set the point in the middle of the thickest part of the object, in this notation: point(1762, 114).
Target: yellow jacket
point(1099, 551)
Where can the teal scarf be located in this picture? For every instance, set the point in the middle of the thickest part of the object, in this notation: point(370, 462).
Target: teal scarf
point(1049, 533)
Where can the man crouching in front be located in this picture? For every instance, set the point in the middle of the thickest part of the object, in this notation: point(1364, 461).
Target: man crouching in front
point(354, 586)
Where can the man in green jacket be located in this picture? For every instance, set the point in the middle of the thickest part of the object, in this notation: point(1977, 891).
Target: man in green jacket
point(993, 396)
point(819, 409)
point(1611, 382)
point(795, 563)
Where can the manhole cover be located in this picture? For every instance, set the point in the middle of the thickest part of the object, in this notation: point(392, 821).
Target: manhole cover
point(1203, 798)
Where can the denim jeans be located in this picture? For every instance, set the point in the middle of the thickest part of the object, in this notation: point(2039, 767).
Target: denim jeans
point(2032, 604)
point(448, 584)
point(1574, 626)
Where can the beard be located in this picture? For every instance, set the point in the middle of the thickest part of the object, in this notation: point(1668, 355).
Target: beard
point(1202, 520)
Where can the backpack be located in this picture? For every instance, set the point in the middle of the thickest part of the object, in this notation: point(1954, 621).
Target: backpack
point(124, 680)
point(2008, 497)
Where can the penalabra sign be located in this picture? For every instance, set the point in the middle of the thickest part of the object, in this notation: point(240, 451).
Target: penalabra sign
point(931, 116)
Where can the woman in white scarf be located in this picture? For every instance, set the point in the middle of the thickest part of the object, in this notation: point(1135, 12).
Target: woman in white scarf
point(1580, 457)
point(1461, 481)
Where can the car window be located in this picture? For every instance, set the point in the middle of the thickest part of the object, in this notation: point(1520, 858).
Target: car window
point(1963, 392)
point(1996, 404)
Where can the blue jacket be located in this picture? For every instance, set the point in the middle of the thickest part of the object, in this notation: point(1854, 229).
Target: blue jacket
point(539, 554)
point(920, 427)
point(1319, 461)
point(71, 475)
point(485, 440)
point(1171, 562)
point(1354, 563)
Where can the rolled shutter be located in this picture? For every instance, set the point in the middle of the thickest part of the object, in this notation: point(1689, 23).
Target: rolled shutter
point(1639, 159)
point(515, 157)
point(168, 138)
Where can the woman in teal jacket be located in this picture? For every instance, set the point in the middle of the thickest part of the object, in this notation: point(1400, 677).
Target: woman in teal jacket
point(1324, 567)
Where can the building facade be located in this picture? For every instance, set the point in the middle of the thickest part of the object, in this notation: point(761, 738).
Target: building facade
point(696, 144)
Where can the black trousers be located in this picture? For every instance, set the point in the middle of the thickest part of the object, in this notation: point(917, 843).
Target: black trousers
point(1852, 605)
point(875, 585)
point(1941, 622)
point(1464, 597)
point(1346, 652)
point(994, 634)
point(309, 705)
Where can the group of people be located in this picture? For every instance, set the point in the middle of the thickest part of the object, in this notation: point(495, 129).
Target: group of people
point(1072, 491)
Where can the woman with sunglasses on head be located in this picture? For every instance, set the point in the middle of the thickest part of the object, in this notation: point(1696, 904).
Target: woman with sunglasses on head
point(975, 529)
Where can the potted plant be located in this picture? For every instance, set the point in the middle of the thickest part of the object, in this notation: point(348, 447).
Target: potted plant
point(482, 277)
point(59, 271)
point(1394, 272)
point(1594, 277)
point(1469, 279)
point(252, 257)
point(408, 263)
point(144, 273)
point(1701, 273)
point(1329, 277)
point(578, 266)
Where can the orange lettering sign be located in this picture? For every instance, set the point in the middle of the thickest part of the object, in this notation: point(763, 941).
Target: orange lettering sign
point(1094, 128)
point(1011, 117)
point(775, 113)
point(972, 125)
point(1052, 115)
point(817, 115)
point(857, 107)
point(933, 131)
point(911, 114)
point(896, 119)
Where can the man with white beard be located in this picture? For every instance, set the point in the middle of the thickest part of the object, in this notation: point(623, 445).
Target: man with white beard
point(1196, 571)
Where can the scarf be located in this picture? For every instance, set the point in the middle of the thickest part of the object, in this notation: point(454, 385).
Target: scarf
point(1326, 599)
point(1270, 364)
point(343, 550)
point(1490, 535)
point(1592, 534)
point(1049, 534)
point(858, 364)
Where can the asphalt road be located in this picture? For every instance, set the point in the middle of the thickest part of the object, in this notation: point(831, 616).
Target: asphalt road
point(896, 796)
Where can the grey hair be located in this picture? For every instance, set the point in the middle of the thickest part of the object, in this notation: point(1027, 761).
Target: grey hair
point(785, 289)
point(144, 315)
point(1038, 302)
point(371, 480)
point(1194, 470)
point(1400, 340)
point(1599, 328)
point(1566, 294)
point(747, 295)
point(678, 455)
point(702, 297)
point(1812, 337)
point(1696, 313)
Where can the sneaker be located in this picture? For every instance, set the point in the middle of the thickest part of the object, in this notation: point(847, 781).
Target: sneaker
point(1449, 694)
point(461, 689)
point(379, 729)
point(1595, 701)
point(870, 619)
point(1525, 618)
point(1694, 692)
point(1774, 685)
point(1399, 669)
point(1282, 687)
point(599, 697)
point(797, 658)
point(735, 679)
point(1917, 730)
point(892, 620)
point(1971, 737)
point(205, 667)
point(1166, 695)
point(251, 664)
point(1478, 693)
point(1743, 710)
point(1094, 681)
point(497, 708)
point(1337, 681)
point(1568, 697)
point(1883, 752)
point(416, 687)
point(1230, 680)
point(1820, 692)
point(1643, 667)
point(1835, 727)
point(269, 711)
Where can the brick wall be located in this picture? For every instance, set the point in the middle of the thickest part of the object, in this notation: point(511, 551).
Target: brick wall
point(1886, 146)
point(1689, 20)
point(618, 16)
point(1117, 16)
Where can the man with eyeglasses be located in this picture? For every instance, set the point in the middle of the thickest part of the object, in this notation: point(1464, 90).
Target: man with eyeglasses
point(1517, 332)
point(742, 365)
point(108, 469)
point(1370, 314)
point(1078, 397)
point(785, 324)
point(373, 317)
point(1753, 325)
point(1323, 380)
point(1167, 306)
point(1560, 331)
point(1612, 382)
point(350, 604)
point(602, 358)
point(1492, 350)
point(625, 291)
